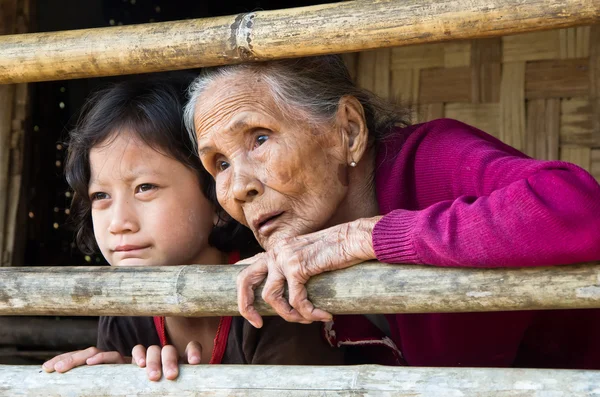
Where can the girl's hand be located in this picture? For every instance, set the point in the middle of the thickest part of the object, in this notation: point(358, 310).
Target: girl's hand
point(90, 356)
point(294, 261)
point(166, 359)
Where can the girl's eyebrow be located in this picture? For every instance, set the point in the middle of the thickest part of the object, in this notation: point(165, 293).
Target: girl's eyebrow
point(128, 175)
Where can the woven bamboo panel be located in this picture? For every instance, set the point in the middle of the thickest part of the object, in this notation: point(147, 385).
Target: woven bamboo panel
point(538, 92)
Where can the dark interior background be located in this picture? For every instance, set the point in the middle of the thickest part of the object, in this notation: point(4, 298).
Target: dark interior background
point(47, 239)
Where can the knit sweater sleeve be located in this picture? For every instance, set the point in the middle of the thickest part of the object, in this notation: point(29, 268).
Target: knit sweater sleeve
point(479, 203)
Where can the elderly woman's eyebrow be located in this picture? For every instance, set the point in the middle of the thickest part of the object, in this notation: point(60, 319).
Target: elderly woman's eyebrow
point(202, 151)
point(239, 125)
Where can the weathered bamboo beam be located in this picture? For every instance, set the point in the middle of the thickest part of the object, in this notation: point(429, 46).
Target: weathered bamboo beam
point(48, 333)
point(252, 380)
point(322, 29)
point(368, 288)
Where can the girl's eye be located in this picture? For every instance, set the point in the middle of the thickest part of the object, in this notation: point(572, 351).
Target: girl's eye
point(98, 196)
point(144, 187)
point(222, 165)
point(260, 140)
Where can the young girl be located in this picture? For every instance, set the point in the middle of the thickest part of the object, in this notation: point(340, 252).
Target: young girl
point(143, 199)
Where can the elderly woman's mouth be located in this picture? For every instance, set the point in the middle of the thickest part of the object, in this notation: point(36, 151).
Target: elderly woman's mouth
point(265, 223)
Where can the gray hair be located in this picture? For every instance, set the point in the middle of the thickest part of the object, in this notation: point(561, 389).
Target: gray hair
point(309, 88)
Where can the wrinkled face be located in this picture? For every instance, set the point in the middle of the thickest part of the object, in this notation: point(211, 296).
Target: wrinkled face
point(147, 209)
point(280, 177)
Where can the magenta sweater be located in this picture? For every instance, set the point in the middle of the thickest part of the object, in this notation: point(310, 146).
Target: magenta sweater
point(453, 195)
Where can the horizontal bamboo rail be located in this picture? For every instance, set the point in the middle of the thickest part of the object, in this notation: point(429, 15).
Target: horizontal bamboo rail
point(250, 380)
point(48, 332)
point(322, 29)
point(368, 288)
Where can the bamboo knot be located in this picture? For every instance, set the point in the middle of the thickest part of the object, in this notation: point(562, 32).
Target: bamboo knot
point(241, 36)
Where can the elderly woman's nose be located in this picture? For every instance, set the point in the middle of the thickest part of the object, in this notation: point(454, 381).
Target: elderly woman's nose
point(246, 187)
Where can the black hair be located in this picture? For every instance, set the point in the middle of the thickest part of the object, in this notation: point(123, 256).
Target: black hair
point(151, 109)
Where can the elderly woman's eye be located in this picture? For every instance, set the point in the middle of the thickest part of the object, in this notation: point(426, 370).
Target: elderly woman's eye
point(260, 140)
point(222, 165)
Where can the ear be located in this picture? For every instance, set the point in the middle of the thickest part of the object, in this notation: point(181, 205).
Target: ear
point(350, 119)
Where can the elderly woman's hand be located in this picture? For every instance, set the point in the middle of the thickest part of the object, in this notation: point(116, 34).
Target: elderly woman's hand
point(295, 260)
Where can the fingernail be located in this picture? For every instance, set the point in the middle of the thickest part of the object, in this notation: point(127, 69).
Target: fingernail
point(154, 374)
point(170, 373)
point(141, 362)
point(194, 360)
point(59, 365)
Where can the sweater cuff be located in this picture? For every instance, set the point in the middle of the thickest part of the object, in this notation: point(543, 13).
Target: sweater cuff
point(393, 237)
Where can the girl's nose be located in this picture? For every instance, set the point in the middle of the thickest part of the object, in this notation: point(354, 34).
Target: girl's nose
point(123, 218)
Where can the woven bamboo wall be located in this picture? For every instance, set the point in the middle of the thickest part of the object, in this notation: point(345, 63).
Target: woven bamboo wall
point(538, 92)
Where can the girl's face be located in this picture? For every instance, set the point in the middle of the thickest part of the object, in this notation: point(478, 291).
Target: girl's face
point(147, 208)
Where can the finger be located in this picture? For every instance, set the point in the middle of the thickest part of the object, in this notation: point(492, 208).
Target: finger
point(48, 366)
point(106, 358)
point(75, 360)
point(170, 362)
point(247, 281)
point(193, 352)
point(138, 355)
point(153, 361)
point(273, 295)
point(299, 301)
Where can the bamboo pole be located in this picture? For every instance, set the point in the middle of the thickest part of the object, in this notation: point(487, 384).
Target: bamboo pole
point(322, 29)
point(210, 290)
point(252, 380)
point(7, 97)
point(48, 333)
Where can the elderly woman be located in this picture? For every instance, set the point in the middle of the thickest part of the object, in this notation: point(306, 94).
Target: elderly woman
point(327, 176)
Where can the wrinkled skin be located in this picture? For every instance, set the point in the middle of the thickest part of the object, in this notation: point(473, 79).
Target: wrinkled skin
point(294, 174)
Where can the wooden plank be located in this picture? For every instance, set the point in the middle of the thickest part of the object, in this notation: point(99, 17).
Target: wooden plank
point(457, 54)
point(512, 105)
point(418, 57)
point(7, 97)
point(557, 78)
point(536, 123)
point(576, 122)
point(270, 380)
point(580, 155)
point(531, 46)
point(445, 85)
point(368, 288)
point(595, 167)
point(405, 86)
point(431, 111)
point(373, 71)
point(16, 170)
point(321, 29)
point(48, 332)
point(14, 16)
point(552, 129)
point(485, 116)
point(543, 127)
point(574, 42)
point(486, 67)
point(594, 83)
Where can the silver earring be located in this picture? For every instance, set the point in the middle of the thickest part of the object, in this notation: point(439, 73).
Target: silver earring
point(353, 164)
